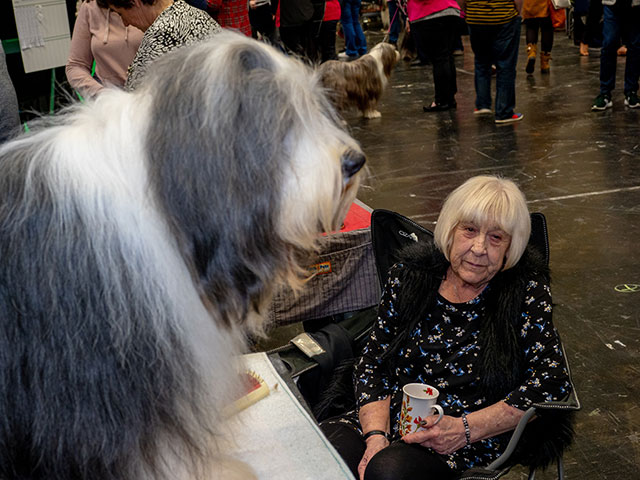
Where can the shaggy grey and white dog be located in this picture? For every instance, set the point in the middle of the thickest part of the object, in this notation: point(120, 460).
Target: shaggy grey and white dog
point(140, 236)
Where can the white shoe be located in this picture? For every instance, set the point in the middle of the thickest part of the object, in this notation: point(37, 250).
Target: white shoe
point(344, 56)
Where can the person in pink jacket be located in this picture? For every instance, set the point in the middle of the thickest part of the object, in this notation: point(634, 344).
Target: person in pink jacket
point(433, 25)
point(100, 35)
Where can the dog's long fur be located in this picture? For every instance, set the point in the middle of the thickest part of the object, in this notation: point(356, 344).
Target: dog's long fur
point(140, 234)
point(360, 83)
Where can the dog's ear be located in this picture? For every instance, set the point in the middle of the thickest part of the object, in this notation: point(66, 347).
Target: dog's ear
point(251, 58)
point(225, 117)
point(389, 59)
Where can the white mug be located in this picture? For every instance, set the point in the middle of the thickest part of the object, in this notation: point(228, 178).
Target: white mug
point(418, 402)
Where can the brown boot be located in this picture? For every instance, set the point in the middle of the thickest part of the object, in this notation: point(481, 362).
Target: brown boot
point(532, 49)
point(584, 49)
point(545, 58)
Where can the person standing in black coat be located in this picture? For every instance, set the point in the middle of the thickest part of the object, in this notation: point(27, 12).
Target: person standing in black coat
point(9, 118)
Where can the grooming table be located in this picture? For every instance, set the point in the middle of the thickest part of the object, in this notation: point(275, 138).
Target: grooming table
point(278, 437)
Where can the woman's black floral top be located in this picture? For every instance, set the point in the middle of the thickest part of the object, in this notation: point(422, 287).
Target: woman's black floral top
point(178, 25)
point(442, 351)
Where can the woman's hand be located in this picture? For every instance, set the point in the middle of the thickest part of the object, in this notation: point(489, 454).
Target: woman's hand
point(446, 437)
point(373, 416)
point(375, 443)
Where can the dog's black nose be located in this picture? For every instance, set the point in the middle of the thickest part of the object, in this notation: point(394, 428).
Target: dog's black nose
point(352, 162)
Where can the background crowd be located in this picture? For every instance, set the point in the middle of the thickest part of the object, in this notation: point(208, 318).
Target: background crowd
point(114, 41)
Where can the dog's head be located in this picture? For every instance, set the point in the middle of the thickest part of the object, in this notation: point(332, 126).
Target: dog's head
point(387, 55)
point(250, 164)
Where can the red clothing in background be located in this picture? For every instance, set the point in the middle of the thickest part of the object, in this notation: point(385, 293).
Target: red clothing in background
point(232, 14)
point(331, 10)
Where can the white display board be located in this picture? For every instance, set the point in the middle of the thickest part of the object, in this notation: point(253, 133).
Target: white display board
point(43, 32)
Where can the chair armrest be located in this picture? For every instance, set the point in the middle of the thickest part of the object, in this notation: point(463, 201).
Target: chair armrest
point(571, 402)
point(513, 441)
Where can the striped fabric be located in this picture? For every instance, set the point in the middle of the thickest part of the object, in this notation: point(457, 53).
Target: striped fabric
point(490, 12)
point(345, 281)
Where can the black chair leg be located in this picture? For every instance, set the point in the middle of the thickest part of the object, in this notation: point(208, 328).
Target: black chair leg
point(532, 471)
point(560, 469)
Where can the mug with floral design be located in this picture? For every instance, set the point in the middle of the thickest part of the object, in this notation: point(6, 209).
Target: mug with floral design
point(418, 402)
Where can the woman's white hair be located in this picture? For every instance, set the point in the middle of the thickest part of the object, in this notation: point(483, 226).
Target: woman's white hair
point(486, 200)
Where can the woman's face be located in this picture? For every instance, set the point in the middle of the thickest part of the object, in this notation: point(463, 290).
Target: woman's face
point(139, 15)
point(477, 252)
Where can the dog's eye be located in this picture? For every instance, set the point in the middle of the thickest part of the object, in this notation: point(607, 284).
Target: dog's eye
point(352, 162)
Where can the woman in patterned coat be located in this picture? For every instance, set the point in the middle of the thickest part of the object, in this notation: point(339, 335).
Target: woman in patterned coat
point(470, 315)
point(166, 24)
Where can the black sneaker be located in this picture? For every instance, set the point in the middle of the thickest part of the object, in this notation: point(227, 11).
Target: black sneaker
point(631, 100)
point(440, 107)
point(602, 102)
point(516, 117)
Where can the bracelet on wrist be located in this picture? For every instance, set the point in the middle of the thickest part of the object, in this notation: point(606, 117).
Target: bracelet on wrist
point(371, 433)
point(467, 432)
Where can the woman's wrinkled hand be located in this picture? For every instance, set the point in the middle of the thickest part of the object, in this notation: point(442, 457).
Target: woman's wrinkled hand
point(446, 437)
point(374, 445)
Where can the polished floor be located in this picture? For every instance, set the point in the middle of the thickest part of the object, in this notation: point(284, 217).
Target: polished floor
point(582, 170)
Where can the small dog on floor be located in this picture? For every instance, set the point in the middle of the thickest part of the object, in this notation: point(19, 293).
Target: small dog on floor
point(141, 235)
point(360, 83)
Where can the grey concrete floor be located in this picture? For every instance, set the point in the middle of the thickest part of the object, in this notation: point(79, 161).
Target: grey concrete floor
point(582, 170)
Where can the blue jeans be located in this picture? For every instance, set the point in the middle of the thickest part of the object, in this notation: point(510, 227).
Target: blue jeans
point(620, 19)
point(496, 45)
point(354, 41)
point(396, 20)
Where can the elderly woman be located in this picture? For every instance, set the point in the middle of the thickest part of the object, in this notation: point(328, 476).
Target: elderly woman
point(166, 24)
point(470, 315)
